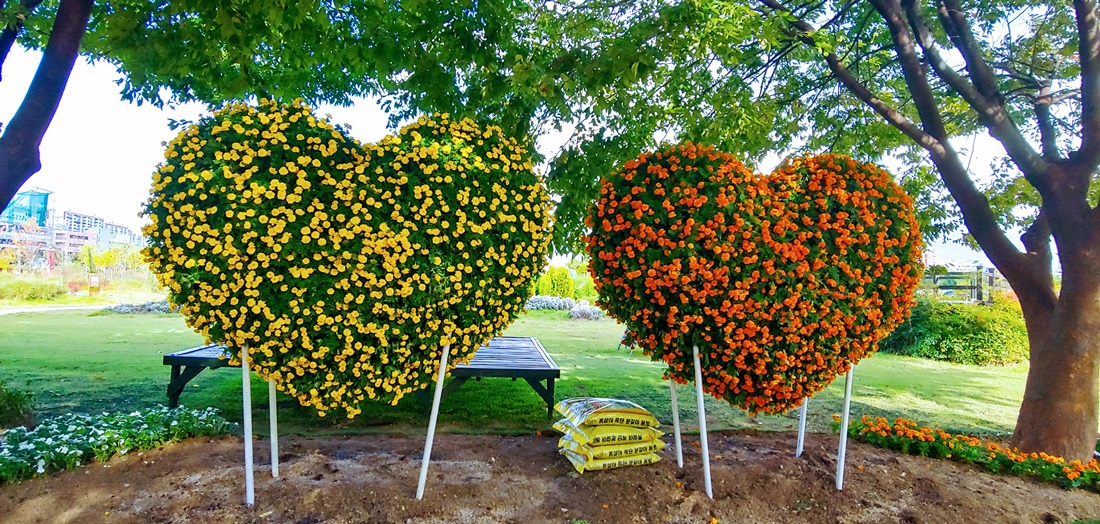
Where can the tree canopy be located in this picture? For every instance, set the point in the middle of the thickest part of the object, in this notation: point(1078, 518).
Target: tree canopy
point(416, 54)
point(743, 76)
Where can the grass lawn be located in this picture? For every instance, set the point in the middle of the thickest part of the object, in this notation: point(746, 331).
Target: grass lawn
point(77, 361)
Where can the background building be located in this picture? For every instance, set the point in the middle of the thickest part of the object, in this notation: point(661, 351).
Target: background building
point(31, 204)
point(29, 221)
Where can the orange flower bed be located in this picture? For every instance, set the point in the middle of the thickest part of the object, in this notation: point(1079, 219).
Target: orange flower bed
point(907, 437)
point(783, 281)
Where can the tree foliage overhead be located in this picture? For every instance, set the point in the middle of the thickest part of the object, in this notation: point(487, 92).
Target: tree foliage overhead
point(740, 75)
point(420, 55)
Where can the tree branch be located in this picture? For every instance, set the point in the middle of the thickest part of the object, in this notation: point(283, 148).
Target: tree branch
point(892, 116)
point(1088, 51)
point(1025, 275)
point(990, 108)
point(958, 29)
point(1059, 98)
point(1013, 72)
point(975, 208)
point(19, 156)
point(1048, 133)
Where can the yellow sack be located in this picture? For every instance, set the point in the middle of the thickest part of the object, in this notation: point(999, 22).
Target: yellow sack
point(605, 412)
point(582, 463)
point(612, 451)
point(605, 435)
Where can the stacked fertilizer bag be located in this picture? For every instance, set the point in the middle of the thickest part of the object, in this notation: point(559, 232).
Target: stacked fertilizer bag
point(604, 433)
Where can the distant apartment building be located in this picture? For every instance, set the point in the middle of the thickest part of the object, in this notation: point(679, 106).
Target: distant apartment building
point(101, 233)
point(79, 222)
point(68, 243)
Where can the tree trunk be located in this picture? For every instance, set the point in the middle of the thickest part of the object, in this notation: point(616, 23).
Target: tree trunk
point(18, 161)
point(19, 155)
point(1058, 414)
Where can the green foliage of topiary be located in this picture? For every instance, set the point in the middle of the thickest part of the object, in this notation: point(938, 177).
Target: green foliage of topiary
point(343, 269)
point(962, 333)
point(561, 284)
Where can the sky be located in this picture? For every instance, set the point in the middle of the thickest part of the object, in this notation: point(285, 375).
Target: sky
point(99, 153)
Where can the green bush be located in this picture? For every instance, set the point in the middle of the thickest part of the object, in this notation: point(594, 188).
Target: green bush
point(962, 333)
point(586, 288)
point(545, 285)
point(561, 284)
point(15, 407)
point(26, 289)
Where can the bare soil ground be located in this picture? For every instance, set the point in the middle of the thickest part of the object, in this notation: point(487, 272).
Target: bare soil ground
point(488, 478)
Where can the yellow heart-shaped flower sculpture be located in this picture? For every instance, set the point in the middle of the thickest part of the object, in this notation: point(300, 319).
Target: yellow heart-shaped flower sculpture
point(344, 269)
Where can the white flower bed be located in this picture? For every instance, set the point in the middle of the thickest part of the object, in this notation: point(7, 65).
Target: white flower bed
point(586, 312)
point(538, 302)
point(70, 440)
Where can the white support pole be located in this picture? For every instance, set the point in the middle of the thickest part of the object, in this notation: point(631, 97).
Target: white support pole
point(801, 427)
point(702, 421)
point(431, 422)
point(676, 424)
point(246, 395)
point(274, 428)
point(844, 430)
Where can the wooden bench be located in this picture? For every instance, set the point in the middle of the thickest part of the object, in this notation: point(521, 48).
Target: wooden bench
point(507, 357)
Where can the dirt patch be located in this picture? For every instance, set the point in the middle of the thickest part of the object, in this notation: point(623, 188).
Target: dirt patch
point(485, 478)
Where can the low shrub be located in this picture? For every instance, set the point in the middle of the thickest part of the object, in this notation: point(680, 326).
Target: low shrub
point(160, 306)
point(544, 286)
point(538, 302)
point(585, 312)
point(905, 436)
point(27, 289)
point(67, 441)
point(15, 407)
point(962, 333)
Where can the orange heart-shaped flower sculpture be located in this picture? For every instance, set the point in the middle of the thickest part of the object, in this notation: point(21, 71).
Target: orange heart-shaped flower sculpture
point(784, 281)
point(344, 269)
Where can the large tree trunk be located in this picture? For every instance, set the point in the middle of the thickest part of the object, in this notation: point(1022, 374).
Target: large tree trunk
point(19, 155)
point(18, 161)
point(1058, 414)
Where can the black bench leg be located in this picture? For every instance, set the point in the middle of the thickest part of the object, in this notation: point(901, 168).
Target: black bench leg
point(179, 380)
point(426, 399)
point(547, 393)
point(174, 395)
point(550, 402)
